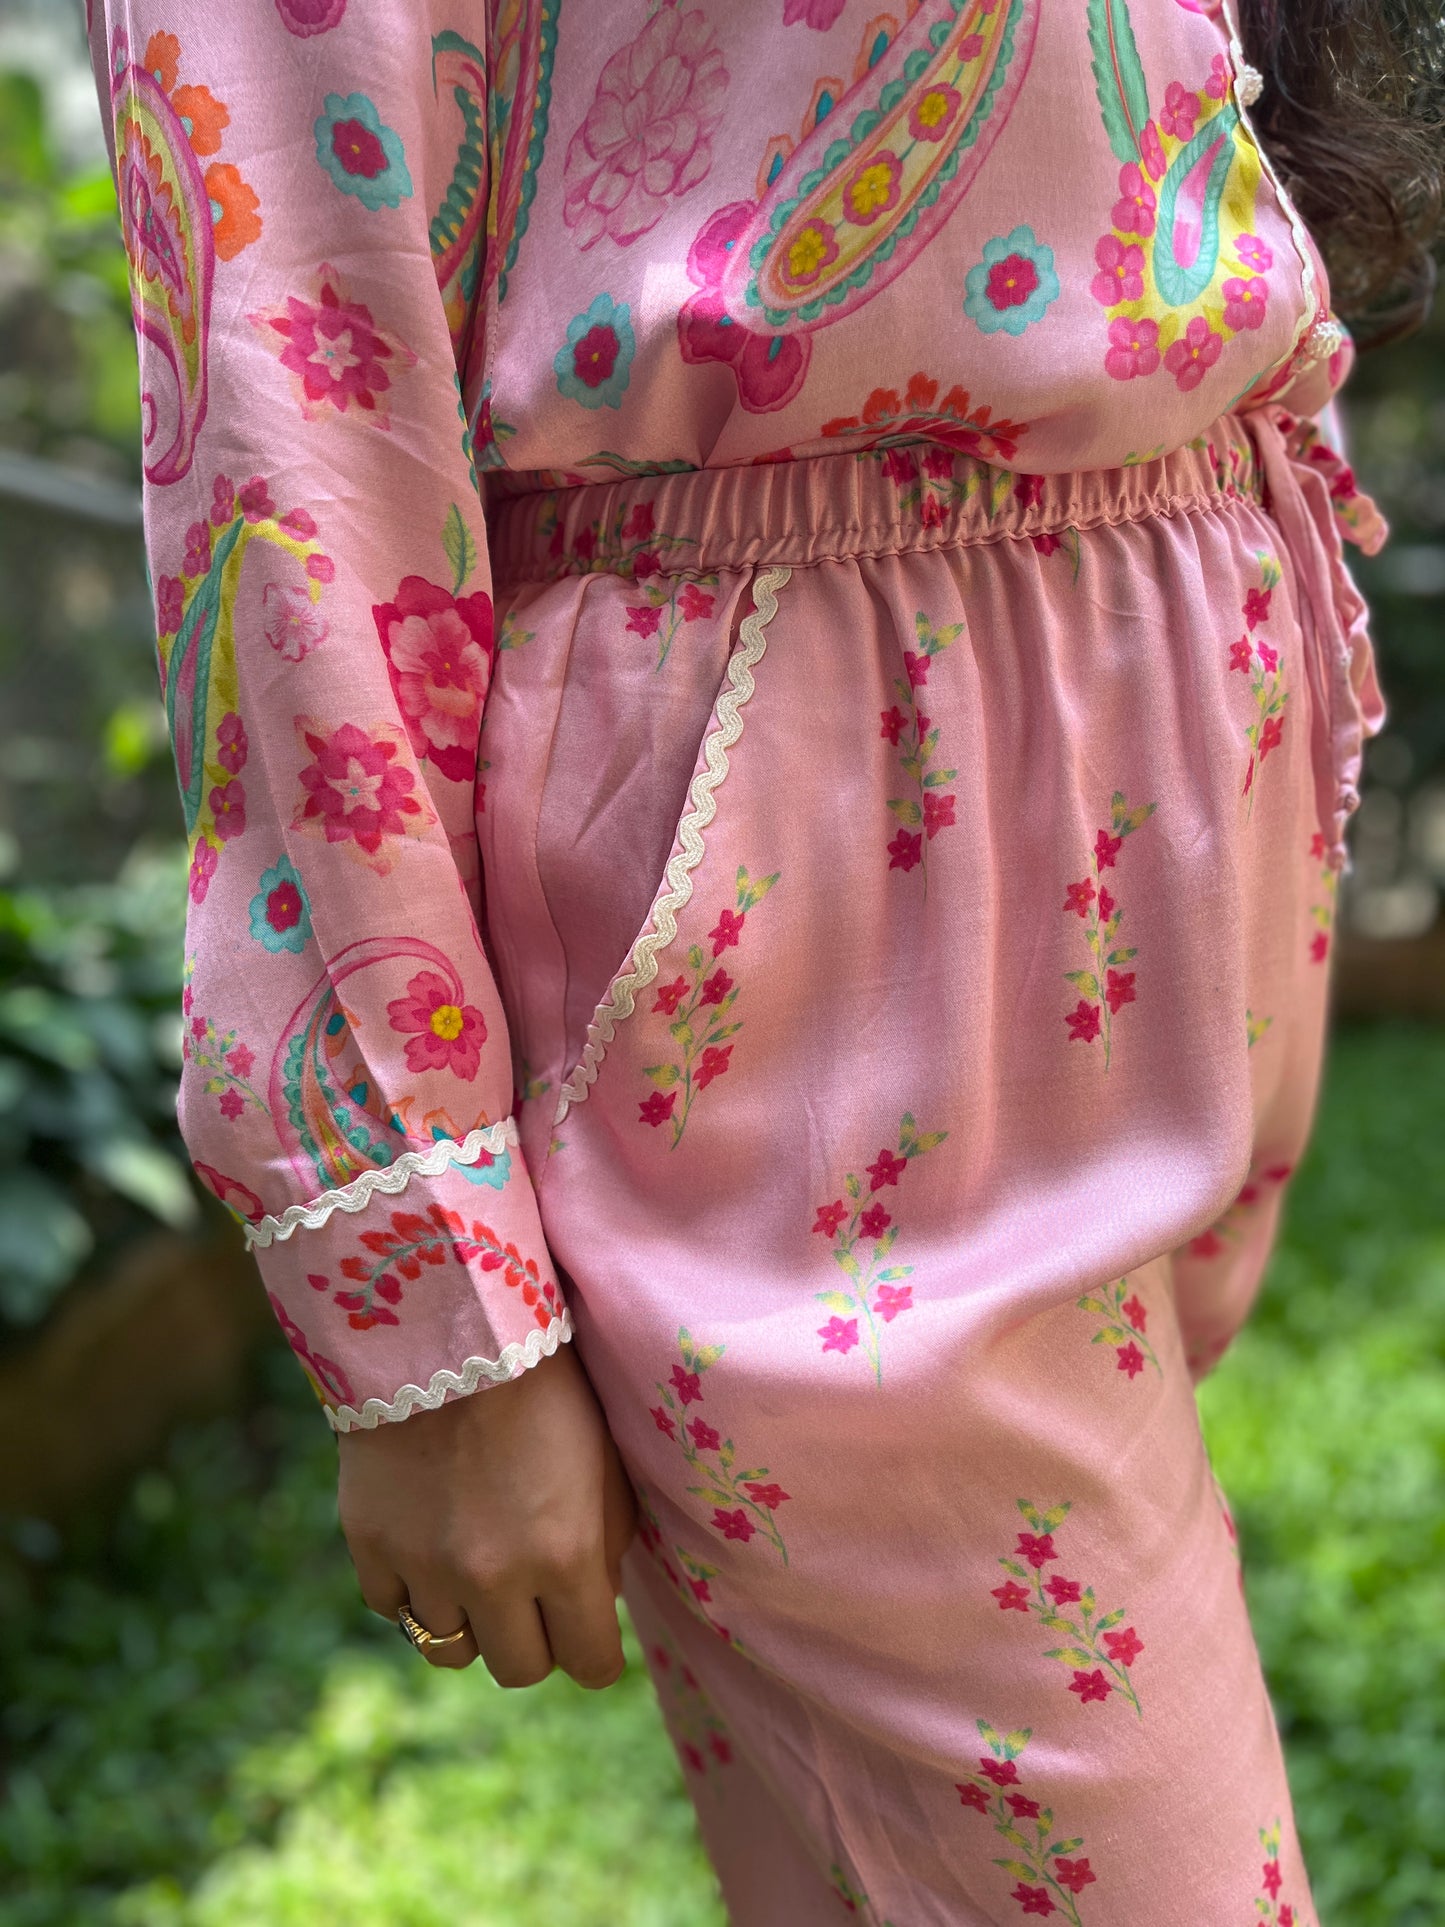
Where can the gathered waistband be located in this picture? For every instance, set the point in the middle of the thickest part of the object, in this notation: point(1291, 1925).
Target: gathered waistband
point(878, 501)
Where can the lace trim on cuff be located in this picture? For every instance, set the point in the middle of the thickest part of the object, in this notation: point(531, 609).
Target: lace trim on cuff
point(391, 1178)
point(519, 1356)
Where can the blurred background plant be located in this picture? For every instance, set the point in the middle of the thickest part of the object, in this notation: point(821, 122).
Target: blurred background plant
point(200, 1726)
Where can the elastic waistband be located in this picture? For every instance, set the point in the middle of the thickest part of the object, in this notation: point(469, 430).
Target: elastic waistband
point(877, 501)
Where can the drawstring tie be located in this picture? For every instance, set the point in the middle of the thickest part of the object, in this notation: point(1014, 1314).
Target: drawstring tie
point(1310, 492)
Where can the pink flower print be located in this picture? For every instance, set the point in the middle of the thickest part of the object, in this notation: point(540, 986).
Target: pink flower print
point(694, 602)
point(1217, 85)
point(839, 1334)
point(1135, 210)
point(231, 743)
point(715, 988)
point(1271, 736)
point(223, 501)
point(1022, 1807)
point(916, 667)
point(972, 1796)
point(1286, 1915)
point(228, 809)
point(733, 1525)
point(1256, 606)
point(772, 1495)
point(203, 867)
point(1106, 903)
point(1181, 110)
point(1245, 301)
point(687, 1385)
point(357, 790)
point(663, 1421)
point(255, 500)
point(873, 189)
point(1241, 656)
point(1271, 1879)
point(714, 1063)
point(300, 523)
point(671, 995)
point(726, 931)
point(1083, 1022)
point(873, 1223)
point(937, 813)
point(905, 850)
point(1036, 1548)
point(893, 719)
point(1121, 271)
point(1090, 1686)
point(291, 621)
point(1048, 544)
point(198, 549)
point(938, 464)
point(640, 523)
point(170, 606)
point(1012, 1597)
point(241, 1060)
point(768, 369)
point(442, 1033)
point(1063, 1592)
point(900, 466)
point(1033, 1900)
point(1195, 352)
point(891, 1300)
point(1001, 1772)
point(1319, 947)
point(643, 620)
point(1119, 990)
point(334, 352)
point(1267, 656)
point(885, 1169)
point(932, 114)
point(830, 1216)
point(232, 1105)
point(1133, 348)
point(647, 137)
point(1151, 149)
point(1125, 1646)
point(1079, 896)
point(1254, 253)
point(657, 1108)
point(1122, 1327)
point(1135, 1313)
point(646, 563)
point(703, 1435)
point(1130, 1359)
point(439, 651)
point(1074, 1874)
point(1106, 849)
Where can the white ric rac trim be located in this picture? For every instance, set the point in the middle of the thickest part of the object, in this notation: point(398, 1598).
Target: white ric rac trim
point(389, 1178)
point(661, 927)
point(519, 1356)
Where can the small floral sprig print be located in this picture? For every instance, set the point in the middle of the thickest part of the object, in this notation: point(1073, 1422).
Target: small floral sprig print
point(1124, 1325)
point(916, 738)
point(1259, 661)
point(669, 603)
point(394, 1257)
point(698, 1733)
point(698, 1003)
point(627, 542)
point(745, 1502)
point(1106, 986)
point(690, 1577)
point(1255, 1027)
point(223, 1062)
point(1099, 1649)
point(1051, 1873)
point(1268, 1905)
point(1228, 1229)
point(1322, 915)
point(874, 1296)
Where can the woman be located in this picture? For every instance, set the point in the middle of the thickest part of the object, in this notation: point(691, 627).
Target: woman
point(891, 735)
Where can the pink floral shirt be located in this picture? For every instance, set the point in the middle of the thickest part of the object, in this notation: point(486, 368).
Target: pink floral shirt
point(384, 251)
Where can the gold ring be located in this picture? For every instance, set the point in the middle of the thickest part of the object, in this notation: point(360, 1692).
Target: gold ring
point(417, 1634)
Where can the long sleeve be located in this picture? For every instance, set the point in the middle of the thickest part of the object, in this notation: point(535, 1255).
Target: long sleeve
point(302, 187)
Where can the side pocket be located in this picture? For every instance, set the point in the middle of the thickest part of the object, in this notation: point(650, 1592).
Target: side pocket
point(660, 926)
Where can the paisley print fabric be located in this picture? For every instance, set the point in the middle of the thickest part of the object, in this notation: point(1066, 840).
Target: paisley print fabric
point(751, 607)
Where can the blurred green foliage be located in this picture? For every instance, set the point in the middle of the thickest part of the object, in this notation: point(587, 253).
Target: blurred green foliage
point(205, 1729)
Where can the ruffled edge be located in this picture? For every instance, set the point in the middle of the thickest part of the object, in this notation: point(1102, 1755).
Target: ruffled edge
point(521, 1355)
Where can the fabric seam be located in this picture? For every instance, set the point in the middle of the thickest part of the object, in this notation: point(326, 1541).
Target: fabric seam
point(520, 1355)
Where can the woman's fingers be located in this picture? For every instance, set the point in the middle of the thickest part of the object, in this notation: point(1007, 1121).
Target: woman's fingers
point(581, 1621)
point(510, 1637)
point(433, 1605)
point(381, 1585)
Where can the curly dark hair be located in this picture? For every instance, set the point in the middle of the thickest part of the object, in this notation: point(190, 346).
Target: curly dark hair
point(1353, 117)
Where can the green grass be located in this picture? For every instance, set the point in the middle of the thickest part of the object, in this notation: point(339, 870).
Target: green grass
point(203, 1728)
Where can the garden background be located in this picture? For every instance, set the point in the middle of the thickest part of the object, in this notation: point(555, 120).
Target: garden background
point(199, 1724)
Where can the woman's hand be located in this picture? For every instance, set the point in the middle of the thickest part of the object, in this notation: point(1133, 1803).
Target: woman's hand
point(508, 1513)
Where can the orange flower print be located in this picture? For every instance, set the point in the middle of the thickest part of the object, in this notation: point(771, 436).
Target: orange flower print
point(1106, 986)
point(1124, 1327)
point(1257, 659)
point(1051, 1873)
point(1098, 1650)
point(745, 1503)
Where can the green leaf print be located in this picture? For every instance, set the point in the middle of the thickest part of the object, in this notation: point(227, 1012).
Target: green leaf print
point(1119, 79)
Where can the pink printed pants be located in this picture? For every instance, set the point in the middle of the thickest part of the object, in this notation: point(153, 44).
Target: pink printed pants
point(911, 886)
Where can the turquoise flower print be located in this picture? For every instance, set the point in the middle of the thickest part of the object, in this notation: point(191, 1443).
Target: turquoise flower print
point(595, 364)
point(1013, 285)
point(281, 911)
point(361, 155)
